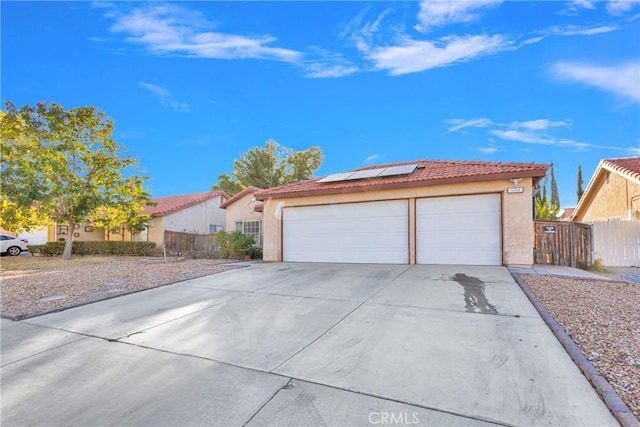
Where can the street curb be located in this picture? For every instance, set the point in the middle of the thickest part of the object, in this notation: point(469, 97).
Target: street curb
point(616, 405)
point(16, 317)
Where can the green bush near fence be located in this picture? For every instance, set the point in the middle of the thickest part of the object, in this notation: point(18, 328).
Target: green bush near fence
point(95, 248)
point(234, 244)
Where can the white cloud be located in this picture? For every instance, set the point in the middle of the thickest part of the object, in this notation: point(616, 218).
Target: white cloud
point(540, 132)
point(165, 97)
point(327, 64)
point(362, 35)
point(414, 55)
point(437, 13)
point(533, 137)
point(622, 79)
point(540, 124)
point(576, 30)
point(458, 124)
point(319, 70)
point(489, 149)
point(621, 7)
point(535, 132)
point(576, 5)
point(169, 29)
point(371, 158)
point(585, 4)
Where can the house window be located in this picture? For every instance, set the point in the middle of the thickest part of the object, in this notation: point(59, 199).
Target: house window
point(215, 228)
point(142, 236)
point(251, 228)
point(63, 229)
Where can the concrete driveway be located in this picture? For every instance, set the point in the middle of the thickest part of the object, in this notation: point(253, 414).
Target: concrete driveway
point(300, 344)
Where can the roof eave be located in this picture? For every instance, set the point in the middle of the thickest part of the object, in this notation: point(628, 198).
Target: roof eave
point(586, 196)
point(598, 175)
point(537, 173)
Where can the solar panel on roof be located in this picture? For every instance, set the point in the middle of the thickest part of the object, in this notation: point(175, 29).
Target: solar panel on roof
point(398, 170)
point(336, 177)
point(369, 173)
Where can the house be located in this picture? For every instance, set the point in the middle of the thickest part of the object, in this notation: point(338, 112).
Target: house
point(419, 212)
point(565, 214)
point(613, 193)
point(192, 213)
point(58, 232)
point(244, 213)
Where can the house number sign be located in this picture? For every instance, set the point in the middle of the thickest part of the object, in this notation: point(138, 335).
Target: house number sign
point(549, 229)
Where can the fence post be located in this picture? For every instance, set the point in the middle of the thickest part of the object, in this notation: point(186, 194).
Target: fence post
point(572, 250)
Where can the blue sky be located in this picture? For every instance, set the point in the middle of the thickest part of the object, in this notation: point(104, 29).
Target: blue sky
point(191, 85)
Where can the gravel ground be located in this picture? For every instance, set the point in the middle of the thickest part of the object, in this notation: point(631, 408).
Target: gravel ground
point(37, 284)
point(603, 318)
point(630, 274)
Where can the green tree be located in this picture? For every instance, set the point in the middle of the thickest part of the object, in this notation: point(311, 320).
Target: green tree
point(270, 166)
point(579, 184)
point(64, 165)
point(544, 209)
point(555, 196)
point(227, 184)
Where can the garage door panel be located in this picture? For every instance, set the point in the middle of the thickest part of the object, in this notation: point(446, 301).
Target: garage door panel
point(462, 257)
point(371, 232)
point(464, 241)
point(459, 230)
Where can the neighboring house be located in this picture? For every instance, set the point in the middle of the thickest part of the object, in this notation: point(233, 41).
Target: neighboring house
point(192, 213)
point(54, 233)
point(613, 193)
point(244, 213)
point(420, 212)
point(565, 214)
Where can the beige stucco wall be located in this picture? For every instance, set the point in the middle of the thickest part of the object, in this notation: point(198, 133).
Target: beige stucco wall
point(194, 219)
point(155, 232)
point(517, 213)
point(97, 235)
point(241, 210)
point(612, 199)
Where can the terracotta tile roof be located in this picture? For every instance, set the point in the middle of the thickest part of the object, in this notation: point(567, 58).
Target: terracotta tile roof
point(626, 166)
point(237, 196)
point(171, 204)
point(566, 214)
point(429, 172)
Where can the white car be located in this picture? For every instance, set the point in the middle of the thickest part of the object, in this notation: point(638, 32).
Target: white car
point(12, 245)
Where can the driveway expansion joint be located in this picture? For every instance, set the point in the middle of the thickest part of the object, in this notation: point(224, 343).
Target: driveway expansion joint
point(343, 318)
point(415, 405)
point(287, 386)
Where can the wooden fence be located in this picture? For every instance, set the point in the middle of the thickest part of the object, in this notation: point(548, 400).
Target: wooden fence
point(562, 243)
point(190, 245)
point(617, 243)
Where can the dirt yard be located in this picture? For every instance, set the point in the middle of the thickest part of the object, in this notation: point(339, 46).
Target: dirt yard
point(603, 319)
point(39, 284)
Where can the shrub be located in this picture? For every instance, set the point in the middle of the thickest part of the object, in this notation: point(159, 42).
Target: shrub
point(95, 248)
point(254, 252)
point(234, 244)
point(595, 267)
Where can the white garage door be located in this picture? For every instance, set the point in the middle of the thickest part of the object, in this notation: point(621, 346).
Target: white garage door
point(459, 230)
point(371, 232)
